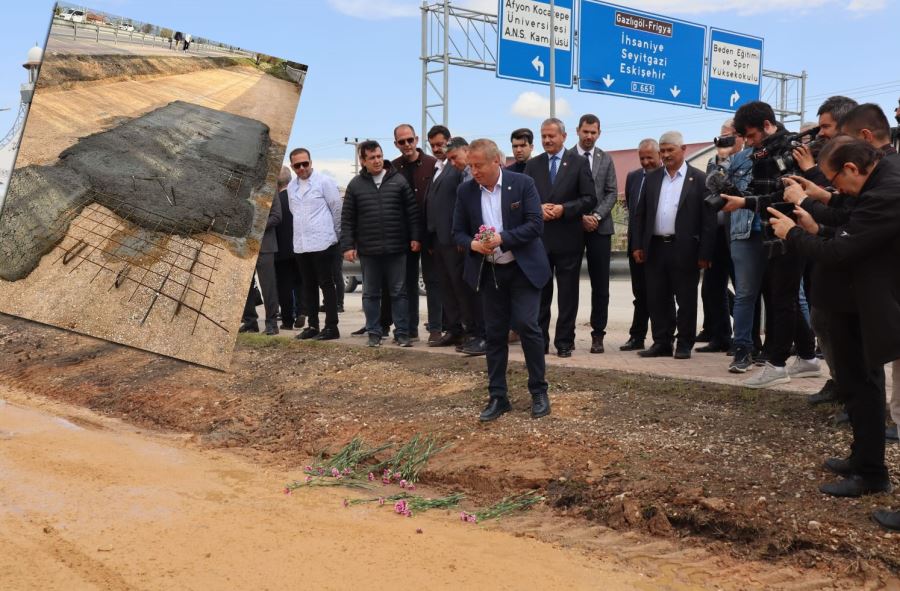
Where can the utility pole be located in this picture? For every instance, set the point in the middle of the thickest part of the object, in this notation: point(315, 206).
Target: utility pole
point(355, 143)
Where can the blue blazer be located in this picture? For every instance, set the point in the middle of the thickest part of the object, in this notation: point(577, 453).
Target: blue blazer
point(523, 226)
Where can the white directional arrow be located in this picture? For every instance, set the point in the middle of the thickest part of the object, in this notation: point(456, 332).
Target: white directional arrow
point(675, 91)
point(734, 98)
point(608, 81)
point(538, 65)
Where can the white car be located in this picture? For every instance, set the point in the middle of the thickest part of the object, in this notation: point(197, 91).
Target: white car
point(76, 16)
point(126, 27)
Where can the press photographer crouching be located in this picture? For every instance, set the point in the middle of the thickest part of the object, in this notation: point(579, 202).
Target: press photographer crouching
point(773, 160)
point(868, 334)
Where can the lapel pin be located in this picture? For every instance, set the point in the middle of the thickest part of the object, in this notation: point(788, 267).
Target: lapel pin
point(509, 188)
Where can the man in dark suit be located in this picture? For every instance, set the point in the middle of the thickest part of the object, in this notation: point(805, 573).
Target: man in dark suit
point(675, 235)
point(598, 224)
point(648, 153)
point(457, 298)
point(287, 275)
point(510, 269)
point(522, 143)
point(564, 182)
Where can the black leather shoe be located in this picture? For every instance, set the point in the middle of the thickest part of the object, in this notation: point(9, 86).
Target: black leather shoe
point(564, 351)
point(496, 407)
point(828, 394)
point(714, 347)
point(632, 344)
point(540, 405)
point(475, 347)
point(249, 328)
point(286, 326)
point(272, 329)
point(855, 486)
point(839, 466)
point(307, 333)
point(887, 519)
point(702, 337)
point(360, 332)
point(890, 434)
point(597, 345)
point(682, 352)
point(657, 350)
point(448, 340)
point(329, 334)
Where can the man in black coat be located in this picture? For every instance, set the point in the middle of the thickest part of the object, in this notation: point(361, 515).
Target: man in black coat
point(509, 270)
point(868, 335)
point(380, 225)
point(674, 234)
point(648, 154)
point(564, 182)
point(287, 275)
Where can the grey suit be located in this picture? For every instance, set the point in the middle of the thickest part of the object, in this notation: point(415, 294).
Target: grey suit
point(598, 244)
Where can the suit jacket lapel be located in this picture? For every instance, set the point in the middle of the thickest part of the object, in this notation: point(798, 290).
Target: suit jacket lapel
point(476, 205)
point(505, 203)
point(685, 187)
point(595, 162)
point(563, 166)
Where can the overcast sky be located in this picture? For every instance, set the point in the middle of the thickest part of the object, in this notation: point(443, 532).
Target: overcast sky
point(365, 72)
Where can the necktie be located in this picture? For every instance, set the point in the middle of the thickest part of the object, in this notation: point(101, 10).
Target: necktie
point(588, 156)
point(553, 168)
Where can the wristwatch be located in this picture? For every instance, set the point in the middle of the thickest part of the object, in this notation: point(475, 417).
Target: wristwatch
point(596, 216)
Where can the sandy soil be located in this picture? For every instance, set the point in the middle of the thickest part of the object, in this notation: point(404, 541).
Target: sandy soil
point(89, 503)
point(693, 485)
point(82, 299)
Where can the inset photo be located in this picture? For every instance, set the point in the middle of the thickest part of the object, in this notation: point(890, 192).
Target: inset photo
point(145, 167)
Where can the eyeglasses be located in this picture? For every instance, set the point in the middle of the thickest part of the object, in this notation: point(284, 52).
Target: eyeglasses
point(299, 165)
point(834, 178)
point(406, 141)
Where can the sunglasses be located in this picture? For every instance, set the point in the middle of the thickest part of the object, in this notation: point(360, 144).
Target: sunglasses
point(834, 178)
point(299, 165)
point(406, 141)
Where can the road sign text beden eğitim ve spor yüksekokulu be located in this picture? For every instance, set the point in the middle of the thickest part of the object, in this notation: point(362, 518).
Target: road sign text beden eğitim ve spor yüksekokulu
point(523, 51)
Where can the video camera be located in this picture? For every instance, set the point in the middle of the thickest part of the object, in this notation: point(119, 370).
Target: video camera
point(718, 183)
point(782, 151)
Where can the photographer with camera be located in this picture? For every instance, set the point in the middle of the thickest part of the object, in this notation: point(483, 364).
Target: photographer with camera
point(866, 335)
point(714, 292)
point(830, 114)
point(772, 160)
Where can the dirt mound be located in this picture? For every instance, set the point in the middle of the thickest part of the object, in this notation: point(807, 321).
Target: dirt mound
point(65, 71)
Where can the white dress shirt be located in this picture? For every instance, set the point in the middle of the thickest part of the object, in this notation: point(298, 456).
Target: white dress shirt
point(492, 215)
point(669, 196)
point(316, 207)
point(590, 156)
point(438, 168)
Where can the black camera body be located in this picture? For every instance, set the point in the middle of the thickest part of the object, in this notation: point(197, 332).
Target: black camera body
point(725, 141)
point(718, 182)
point(781, 152)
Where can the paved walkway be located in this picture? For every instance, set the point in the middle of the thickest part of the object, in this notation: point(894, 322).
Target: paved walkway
point(86, 42)
point(709, 367)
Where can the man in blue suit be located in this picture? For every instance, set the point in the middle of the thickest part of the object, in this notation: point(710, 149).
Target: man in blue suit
point(509, 270)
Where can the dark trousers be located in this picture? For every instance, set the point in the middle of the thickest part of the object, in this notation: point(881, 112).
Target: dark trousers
point(714, 292)
point(598, 250)
point(513, 303)
point(863, 388)
point(250, 317)
point(265, 269)
point(338, 273)
point(385, 272)
point(317, 271)
point(433, 297)
point(290, 297)
point(566, 267)
point(641, 317)
point(412, 292)
point(785, 325)
point(671, 279)
point(457, 298)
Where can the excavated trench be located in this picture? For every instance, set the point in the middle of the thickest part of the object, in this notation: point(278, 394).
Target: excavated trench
point(180, 169)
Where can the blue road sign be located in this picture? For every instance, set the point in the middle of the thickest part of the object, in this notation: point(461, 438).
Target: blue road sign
point(523, 41)
point(631, 53)
point(735, 70)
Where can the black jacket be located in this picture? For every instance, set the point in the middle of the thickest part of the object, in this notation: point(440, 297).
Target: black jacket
point(573, 189)
point(378, 221)
point(868, 246)
point(633, 186)
point(284, 232)
point(695, 222)
point(441, 201)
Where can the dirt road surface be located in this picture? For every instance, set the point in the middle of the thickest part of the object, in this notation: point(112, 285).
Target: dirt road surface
point(692, 486)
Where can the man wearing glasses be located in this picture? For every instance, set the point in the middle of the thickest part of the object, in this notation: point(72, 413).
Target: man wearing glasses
point(315, 204)
point(418, 169)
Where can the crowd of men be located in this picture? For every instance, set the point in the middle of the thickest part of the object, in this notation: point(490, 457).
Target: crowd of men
point(805, 226)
